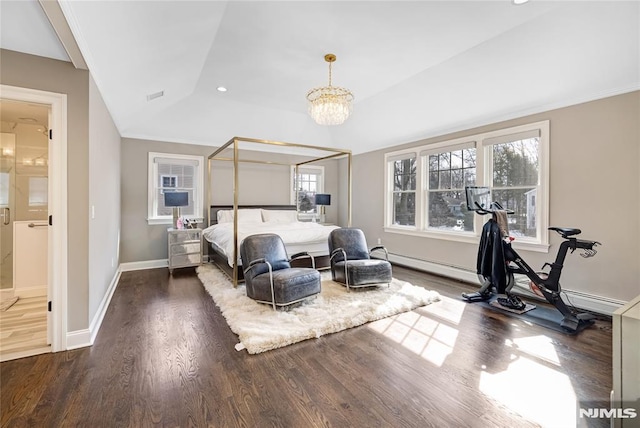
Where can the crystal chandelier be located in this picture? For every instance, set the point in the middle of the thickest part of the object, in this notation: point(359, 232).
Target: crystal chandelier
point(330, 105)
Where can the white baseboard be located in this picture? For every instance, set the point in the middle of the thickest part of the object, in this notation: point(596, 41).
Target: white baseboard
point(104, 305)
point(78, 339)
point(590, 302)
point(86, 337)
point(147, 264)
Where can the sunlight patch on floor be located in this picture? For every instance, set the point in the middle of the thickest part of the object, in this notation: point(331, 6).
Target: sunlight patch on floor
point(537, 346)
point(534, 390)
point(447, 308)
point(431, 339)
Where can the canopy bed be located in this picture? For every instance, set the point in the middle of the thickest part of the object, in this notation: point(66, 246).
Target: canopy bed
point(229, 224)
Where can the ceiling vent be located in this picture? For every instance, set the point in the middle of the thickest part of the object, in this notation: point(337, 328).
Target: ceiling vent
point(154, 96)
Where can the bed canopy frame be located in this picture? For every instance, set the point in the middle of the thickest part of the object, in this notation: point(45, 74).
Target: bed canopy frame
point(234, 145)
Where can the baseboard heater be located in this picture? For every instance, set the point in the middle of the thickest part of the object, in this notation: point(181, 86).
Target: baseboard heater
point(590, 302)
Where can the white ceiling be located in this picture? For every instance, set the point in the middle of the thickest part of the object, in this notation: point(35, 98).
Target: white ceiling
point(417, 69)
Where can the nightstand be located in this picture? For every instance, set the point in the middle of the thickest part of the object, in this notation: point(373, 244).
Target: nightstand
point(184, 248)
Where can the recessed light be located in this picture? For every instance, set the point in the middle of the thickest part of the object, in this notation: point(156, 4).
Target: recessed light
point(221, 89)
point(518, 2)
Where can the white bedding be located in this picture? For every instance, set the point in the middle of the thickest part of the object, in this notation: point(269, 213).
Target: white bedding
point(297, 236)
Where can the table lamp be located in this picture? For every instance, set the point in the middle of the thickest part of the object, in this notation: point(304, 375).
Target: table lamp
point(176, 200)
point(322, 200)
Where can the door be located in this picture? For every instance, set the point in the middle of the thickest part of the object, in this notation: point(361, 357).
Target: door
point(7, 209)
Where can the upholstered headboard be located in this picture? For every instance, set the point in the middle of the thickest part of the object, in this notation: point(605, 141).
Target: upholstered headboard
point(213, 209)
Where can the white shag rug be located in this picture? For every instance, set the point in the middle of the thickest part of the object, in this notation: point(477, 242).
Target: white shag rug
point(261, 329)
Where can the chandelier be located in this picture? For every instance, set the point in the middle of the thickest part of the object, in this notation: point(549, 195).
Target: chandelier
point(330, 105)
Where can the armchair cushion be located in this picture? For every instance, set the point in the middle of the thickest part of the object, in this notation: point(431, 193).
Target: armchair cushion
point(289, 285)
point(363, 272)
point(268, 246)
point(352, 241)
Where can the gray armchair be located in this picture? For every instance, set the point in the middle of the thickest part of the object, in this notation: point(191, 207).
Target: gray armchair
point(268, 274)
point(351, 262)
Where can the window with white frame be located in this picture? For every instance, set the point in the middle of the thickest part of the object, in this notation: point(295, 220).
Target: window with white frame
point(448, 171)
point(513, 162)
point(514, 171)
point(402, 170)
point(304, 186)
point(174, 173)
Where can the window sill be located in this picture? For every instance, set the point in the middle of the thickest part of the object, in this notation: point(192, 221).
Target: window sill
point(464, 237)
point(154, 221)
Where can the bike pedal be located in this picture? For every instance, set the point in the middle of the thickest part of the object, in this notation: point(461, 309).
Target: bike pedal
point(512, 302)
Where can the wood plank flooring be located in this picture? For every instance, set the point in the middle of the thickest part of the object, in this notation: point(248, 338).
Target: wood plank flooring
point(165, 356)
point(23, 328)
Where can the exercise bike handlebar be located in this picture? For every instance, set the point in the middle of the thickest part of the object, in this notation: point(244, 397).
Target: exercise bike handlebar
point(495, 206)
point(573, 243)
point(587, 246)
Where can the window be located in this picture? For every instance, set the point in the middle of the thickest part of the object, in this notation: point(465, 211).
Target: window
point(169, 181)
point(513, 162)
point(403, 190)
point(448, 172)
point(515, 177)
point(171, 173)
point(310, 180)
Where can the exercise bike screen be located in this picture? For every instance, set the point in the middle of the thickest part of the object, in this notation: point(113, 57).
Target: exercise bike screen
point(478, 198)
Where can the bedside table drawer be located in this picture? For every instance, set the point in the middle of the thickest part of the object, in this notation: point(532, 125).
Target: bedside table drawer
point(185, 235)
point(177, 249)
point(185, 260)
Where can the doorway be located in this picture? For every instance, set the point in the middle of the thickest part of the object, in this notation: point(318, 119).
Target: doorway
point(24, 195)
point(33, 231)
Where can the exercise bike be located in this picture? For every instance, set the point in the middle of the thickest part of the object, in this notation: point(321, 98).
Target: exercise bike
point(543, 284)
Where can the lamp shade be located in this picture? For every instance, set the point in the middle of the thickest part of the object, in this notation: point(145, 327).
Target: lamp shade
point(176, 199)
point(323, 199)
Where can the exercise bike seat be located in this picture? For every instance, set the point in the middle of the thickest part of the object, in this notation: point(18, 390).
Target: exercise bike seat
point(566, 231)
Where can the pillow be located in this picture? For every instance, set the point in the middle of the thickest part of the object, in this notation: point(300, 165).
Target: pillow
point(247, 215)
point(225, 216)
point(280, 216)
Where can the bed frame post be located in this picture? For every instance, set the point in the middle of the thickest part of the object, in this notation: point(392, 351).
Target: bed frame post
point(235, 213)
point(349, 191)
point(208, 189)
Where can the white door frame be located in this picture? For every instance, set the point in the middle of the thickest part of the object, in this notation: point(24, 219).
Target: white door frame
point(57, 284)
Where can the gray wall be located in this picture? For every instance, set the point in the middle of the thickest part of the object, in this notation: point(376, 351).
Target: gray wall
point(140, 241)
point(29, 71)
point(258, 184)
point(269, 184)
point(104, 197)
point(595, 186)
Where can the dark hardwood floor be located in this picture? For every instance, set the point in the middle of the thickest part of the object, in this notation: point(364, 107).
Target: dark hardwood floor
point(165, 356)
